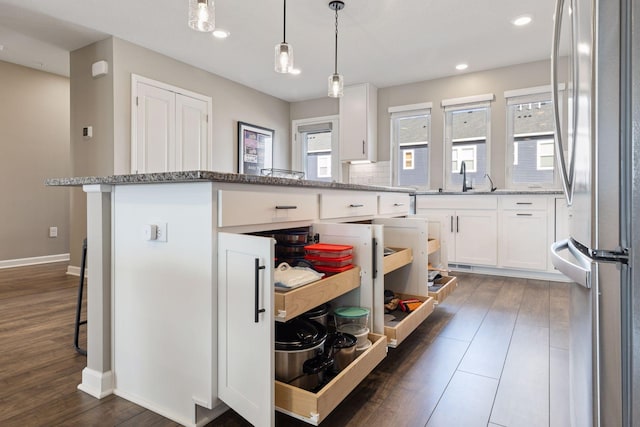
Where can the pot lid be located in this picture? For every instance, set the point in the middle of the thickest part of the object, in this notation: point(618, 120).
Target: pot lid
point(351, 312)
point(299, 334)
point(318, 311)
point(342, 340)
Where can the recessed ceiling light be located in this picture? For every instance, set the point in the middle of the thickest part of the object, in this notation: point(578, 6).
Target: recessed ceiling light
point(522, 20)
point(295, 71)
point(461, 67)
point(220, 33)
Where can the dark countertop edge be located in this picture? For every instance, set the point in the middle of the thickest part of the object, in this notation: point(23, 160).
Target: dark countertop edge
point(486, 193)
point(203, 176)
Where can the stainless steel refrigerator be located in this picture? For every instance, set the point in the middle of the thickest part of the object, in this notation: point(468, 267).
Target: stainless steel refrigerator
point(598, 159)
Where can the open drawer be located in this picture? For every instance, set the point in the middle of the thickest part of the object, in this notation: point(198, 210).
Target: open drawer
point(447, 284)
point(432, 246)
point(400, 258)
point(290, 304)
point(396, 332)
point(315, 407)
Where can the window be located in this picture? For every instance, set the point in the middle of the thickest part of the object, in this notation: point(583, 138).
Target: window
point(467, 130)
point(530, 139)
point(408, 163)
point(410, 135)
point(314, 148)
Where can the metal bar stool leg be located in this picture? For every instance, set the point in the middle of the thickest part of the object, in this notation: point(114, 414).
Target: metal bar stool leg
point(79, 305)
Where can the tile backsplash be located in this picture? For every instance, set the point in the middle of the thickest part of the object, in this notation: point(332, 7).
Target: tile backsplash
point(371, 173)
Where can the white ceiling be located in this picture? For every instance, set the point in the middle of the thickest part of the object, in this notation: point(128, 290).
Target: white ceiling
point(384, 42)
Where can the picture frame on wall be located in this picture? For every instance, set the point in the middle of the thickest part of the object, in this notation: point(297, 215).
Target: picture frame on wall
point(255, 148)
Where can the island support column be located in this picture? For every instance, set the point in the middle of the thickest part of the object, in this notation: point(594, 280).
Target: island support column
point(97, 377)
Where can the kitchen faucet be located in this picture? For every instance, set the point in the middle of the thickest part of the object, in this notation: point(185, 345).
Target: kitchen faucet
point(463, 172)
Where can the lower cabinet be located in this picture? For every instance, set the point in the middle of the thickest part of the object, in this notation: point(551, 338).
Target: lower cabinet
point(248, 307)
point(523, 240)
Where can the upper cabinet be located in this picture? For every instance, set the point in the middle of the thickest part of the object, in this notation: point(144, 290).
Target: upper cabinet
point(359, 123)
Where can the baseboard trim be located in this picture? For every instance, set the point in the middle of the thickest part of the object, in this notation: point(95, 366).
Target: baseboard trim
point(497, 271)
point(74, 270)
point(96, 384)
point(21, 262)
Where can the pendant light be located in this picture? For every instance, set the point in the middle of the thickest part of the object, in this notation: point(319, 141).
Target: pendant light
point(201, 15)
point(336, 81)
point(284, 51)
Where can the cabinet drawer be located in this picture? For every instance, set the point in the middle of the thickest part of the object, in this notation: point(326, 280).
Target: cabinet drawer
point(315, 407)
point(348, 204)
point(467, 201)
point(524, 203)
point(252, 207)
point(449, 283)
point(398, 259)
point(396, 332)
point(392, 203)
point(290, 304)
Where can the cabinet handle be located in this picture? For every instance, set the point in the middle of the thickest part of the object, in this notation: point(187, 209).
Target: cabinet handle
point(524, 214)
point(363, 146)
point(398, 204)
point(286, 207)
point(356, 205)
point(524, 203)
point(258, 267)
point(452, 223)
point(374, 258)
point(457, 224)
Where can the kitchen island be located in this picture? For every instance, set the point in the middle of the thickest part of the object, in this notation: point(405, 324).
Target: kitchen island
point(175, 322)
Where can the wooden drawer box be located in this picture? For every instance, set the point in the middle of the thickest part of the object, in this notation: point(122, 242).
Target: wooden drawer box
point(290, 304)
point(315, 407)
point(252, 207)
point(400, 331)
point(432, 246)
point(398, 259)
point(449, 283)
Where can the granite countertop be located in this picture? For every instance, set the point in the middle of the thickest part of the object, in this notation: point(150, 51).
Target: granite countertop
point(200, 176)
point(487, 192)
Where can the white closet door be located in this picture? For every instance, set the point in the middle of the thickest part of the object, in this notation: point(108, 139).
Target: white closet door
point(155, 139)
point(191, 134)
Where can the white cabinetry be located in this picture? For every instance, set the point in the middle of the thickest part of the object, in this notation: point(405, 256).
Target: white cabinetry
point(358, 123)
point(470, 233)
point(523, 232)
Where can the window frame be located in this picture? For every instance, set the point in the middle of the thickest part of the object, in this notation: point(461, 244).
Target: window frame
point(298, 148)
point(524, 96)
point(406, 111)
point(461, 104)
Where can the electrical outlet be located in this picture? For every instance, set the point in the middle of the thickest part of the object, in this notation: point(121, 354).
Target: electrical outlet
point(53, 231)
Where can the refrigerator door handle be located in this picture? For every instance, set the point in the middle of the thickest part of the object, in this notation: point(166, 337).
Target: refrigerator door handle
point(581, 274)
point(565, 173)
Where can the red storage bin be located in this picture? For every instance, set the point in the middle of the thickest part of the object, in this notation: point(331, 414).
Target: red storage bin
point(319, 261)
point(326, 250)
point(332, 270)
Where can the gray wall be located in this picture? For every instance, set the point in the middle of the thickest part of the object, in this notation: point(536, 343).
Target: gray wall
point(34, 145)
point(107, 101)
point(495, 81)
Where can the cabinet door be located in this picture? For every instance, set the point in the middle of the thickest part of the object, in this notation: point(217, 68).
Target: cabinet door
point(523, 241)
point(444, 219)
point(476, 232)
point(246, 326)
point(367, 242)
point(358, 123)
point(154, 145)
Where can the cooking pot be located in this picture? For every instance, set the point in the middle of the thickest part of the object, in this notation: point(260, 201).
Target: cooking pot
point(296, 342)
point(319, 314)
point(342, 348)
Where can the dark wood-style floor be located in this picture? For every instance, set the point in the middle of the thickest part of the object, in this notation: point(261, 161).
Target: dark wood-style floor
point(494, 354)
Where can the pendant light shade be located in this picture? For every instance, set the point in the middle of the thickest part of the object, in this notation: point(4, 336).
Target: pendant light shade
point(284, 51)
point(201, 15)
point(336, 81)
point(336, 85)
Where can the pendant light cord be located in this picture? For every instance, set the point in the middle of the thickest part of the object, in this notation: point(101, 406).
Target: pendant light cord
point(284, 24)
point(336, 51)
